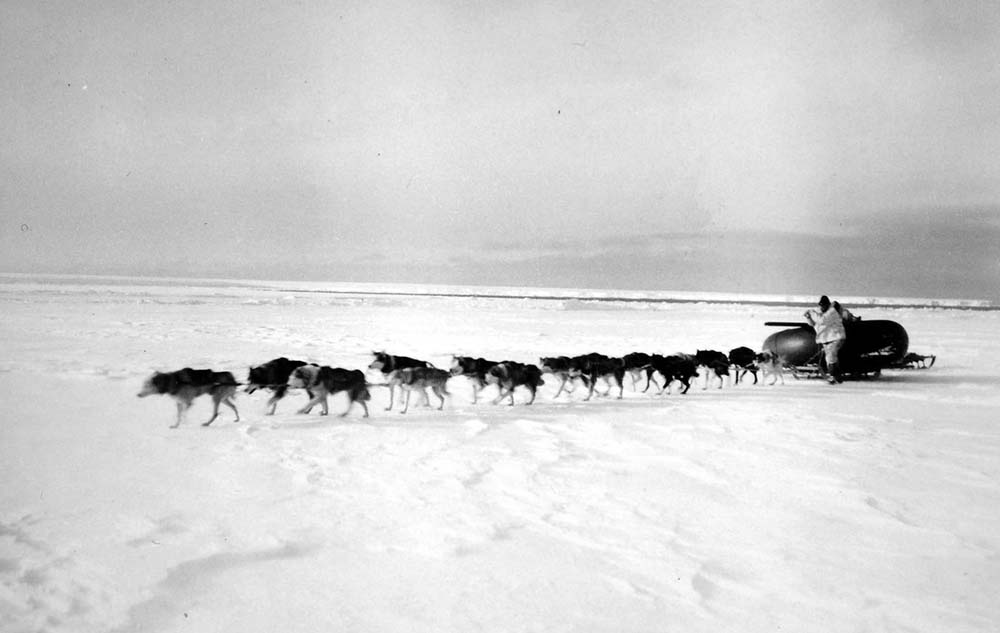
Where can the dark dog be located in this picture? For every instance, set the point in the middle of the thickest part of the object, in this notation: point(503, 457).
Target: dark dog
point(744, 360)
point(325, 381)
point(475, 369)
point(187, 384)
point(558, 366)
point(770, 365)
point(636, 364)
point(594, 366)
point(273, 375)
point(675, 368)
point(509, 374)
point(715, 363)
point(419, 379)
point(387, 363)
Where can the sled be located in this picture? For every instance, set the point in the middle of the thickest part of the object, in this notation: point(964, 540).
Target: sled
point(871, 346)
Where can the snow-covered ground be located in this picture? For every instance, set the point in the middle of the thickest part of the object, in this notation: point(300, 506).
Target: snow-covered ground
point(867, 506)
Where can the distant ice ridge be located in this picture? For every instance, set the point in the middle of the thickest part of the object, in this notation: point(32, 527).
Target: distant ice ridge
point(508, 292)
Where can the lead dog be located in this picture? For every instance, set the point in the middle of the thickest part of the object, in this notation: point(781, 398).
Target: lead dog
point(325, 381)
point(420, 378)
point(186, 384)
point(273, 375)
point(388, 363)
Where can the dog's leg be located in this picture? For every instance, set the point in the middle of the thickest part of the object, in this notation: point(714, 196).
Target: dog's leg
point(437, 392)
point(562, 385)
point(279, 393)
point(534, 390)
point(232, 405)
point(653, 380)
point(216, 398)
point(592, 383)
point(666, 384)
point(309, 405)
point(391, 390)
point(607, 381)
point(406, 404)
point(649, 380)
point(509, 393)
point(183, 410)
point(180, 410)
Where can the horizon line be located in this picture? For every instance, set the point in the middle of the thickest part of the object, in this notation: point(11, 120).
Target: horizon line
point(532, 292)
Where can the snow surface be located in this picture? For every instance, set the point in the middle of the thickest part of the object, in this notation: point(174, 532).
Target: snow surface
point(867, 506)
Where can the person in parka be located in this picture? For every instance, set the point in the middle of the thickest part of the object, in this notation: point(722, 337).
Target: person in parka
point(830, 333)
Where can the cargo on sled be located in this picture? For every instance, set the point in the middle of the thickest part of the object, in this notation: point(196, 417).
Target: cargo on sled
point(871, 346)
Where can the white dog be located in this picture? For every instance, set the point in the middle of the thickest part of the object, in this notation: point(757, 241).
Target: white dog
point(770, 365)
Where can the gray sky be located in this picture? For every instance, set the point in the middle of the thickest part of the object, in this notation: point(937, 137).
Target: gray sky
point(840, 147)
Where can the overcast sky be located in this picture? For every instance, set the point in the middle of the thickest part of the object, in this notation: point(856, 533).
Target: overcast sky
point(839, 147)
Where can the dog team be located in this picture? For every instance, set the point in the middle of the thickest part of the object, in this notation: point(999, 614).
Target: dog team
point(411, 375)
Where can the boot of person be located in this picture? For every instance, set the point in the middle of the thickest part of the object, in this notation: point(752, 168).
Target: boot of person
point(833, 374)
